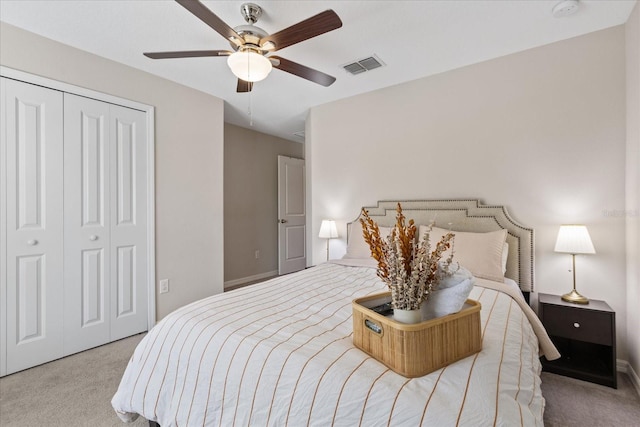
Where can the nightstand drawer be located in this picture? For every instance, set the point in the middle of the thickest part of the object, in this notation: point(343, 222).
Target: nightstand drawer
point(578, 324)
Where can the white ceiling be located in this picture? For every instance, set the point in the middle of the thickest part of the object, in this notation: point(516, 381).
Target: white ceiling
point(414, 39)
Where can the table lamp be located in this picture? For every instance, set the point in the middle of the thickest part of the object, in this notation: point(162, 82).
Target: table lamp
point(574, 239)
point(328, 231)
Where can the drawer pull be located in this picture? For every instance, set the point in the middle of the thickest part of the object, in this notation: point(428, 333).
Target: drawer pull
point(576, 325)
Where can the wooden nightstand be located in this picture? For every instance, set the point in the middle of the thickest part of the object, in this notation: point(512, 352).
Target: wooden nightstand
point(585, 336)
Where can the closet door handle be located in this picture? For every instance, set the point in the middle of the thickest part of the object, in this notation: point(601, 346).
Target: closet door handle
point(32, 242)
point(93, 237)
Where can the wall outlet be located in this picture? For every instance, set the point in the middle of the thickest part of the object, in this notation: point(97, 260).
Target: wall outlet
point(164, 286)
point(257, 254)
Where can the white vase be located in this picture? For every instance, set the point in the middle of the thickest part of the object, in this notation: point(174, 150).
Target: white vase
point(407, 316)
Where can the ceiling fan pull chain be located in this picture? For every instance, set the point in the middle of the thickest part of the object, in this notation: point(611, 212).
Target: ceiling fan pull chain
point(250, 97)
point(250, 111)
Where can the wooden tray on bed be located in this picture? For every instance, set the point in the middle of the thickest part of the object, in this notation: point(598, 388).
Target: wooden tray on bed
point(418, 349)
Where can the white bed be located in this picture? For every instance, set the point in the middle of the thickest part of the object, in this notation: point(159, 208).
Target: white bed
point(281, 353)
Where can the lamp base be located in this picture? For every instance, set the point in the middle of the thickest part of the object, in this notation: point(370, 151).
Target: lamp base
point(575, 298)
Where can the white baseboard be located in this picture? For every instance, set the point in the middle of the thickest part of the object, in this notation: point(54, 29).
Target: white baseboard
point(624, 366)
point(635, 379)
point(244, 280)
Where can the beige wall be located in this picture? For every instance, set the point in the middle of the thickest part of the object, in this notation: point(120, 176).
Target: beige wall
point(541, 131)
point(633, 190)
point(189, 155)
point(251, 202)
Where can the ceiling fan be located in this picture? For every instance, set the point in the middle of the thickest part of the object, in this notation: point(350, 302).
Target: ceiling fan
point(251, 45)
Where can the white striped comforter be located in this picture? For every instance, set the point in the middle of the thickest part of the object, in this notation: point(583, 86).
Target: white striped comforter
point(280, 353)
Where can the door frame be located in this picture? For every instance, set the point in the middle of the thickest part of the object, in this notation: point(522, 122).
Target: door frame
point(150, 157)
point(3, 236)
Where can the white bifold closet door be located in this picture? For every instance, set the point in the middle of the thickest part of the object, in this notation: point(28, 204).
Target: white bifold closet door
point(128, 203)
point(73, 224)
point(105, 254)
point(33, 130)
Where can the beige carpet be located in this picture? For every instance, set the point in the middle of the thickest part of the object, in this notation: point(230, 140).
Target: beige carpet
point(578, 403)
point(73, 391)
point(77, 391)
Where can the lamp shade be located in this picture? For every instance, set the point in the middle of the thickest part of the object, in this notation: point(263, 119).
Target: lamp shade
point(328, 229)
point(574, 239)
point(249, 66)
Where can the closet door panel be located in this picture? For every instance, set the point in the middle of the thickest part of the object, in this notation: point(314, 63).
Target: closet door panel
point(34, 224)
point(87, 217)
point(128, 222)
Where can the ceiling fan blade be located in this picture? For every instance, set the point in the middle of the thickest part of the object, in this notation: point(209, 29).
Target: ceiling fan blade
point(186, 54)
point(319, 24)
point(303, 71)
point(244, 86)
point(211, 19)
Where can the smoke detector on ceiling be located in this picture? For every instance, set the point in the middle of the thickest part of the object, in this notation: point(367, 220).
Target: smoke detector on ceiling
point(565, 8)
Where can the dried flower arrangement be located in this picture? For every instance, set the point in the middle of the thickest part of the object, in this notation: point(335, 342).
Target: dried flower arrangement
point(408, 267)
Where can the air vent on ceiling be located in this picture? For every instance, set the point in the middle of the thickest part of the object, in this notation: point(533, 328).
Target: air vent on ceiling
point(299, 134)
point(362, 65)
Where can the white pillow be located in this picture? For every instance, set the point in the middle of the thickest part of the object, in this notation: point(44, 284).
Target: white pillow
point(480, 253)
point(447, 300)
point(357, 248)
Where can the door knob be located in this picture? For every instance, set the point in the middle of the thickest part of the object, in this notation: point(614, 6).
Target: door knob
point(283, 221)
point(93, 237)
point(32, 242)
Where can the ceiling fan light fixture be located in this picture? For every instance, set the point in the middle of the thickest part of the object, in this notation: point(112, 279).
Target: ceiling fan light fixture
point(249, 66)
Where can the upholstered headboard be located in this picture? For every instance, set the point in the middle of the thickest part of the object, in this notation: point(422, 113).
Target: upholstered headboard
point(473, 216)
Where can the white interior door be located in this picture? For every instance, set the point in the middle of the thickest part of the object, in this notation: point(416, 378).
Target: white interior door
point(86, 223)
point(291, 215)
point(128, 204)
point(34, 231)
